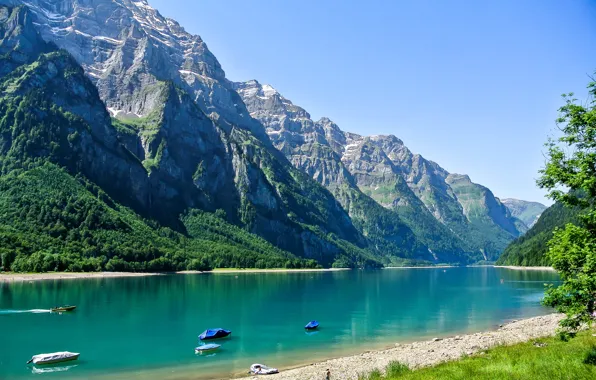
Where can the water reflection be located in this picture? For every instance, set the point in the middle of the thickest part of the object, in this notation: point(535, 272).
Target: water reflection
point(39, 371)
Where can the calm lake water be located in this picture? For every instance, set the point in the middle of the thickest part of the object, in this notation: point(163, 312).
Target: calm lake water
point(147, 327)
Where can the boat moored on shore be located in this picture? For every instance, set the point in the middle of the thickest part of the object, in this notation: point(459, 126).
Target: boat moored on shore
point(261, 369)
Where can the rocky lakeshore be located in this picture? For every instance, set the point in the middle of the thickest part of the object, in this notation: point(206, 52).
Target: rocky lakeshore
point(17, 277)
point(426, 353)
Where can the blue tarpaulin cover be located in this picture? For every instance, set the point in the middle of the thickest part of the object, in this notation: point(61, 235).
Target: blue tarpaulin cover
point(312, 325)
point(214, 334)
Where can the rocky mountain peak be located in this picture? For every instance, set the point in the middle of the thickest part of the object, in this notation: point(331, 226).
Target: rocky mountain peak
point(127, 47)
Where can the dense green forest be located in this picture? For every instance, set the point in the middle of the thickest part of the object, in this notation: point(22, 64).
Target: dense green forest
point(530, 248)
point(52, 221)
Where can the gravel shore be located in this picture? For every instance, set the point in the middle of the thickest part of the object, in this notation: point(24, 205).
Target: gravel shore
point(426, 353)
point(16, 277)
point(19, 277)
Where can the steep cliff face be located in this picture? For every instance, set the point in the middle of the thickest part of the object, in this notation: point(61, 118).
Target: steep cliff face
point(47, 91)
point(447, 209)
point(126, 46)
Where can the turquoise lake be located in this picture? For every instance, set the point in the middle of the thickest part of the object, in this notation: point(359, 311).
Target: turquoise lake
point(147, 327)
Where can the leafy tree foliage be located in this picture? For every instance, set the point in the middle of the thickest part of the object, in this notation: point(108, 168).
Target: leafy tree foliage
point(570, 177)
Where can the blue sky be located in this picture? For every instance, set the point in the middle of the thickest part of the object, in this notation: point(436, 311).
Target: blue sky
point(472, 85)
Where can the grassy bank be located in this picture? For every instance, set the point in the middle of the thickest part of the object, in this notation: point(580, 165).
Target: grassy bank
point(548, 358)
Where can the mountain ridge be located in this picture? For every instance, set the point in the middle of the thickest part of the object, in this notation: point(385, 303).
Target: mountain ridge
point(383, 168)
point(164, 111)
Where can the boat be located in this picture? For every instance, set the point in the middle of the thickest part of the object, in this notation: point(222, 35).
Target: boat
point(214, 334)
point(260, 369)
point(207, 348)
point(55, 357)
point(311, 325)
point(60, 309)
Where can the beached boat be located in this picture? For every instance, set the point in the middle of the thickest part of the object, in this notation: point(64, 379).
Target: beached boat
point(261, 369)
point(311, 325)
point(60, 309)
point(55, 357)
point(214, 334)
point(207, 348)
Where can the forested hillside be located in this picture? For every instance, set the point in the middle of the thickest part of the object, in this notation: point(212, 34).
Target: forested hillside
point(530, 248)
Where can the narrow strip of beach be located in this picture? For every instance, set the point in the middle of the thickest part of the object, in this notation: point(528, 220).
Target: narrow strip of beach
point(425, 353)
point(26, 277)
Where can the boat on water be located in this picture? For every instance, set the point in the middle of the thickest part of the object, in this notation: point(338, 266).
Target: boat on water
point(311, 325)
point(55, 357)
point(214, 334)
point(207, 348)
point(261, 369)
point(60, 309)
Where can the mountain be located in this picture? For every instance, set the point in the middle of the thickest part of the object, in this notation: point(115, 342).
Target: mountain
point(446, 211)
point(527, 212)
point(173, 159)
point(128, 102)
point(63, 173)
point(530, 248)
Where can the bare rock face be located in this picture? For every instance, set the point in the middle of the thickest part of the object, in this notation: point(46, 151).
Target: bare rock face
point(451, 206)
point(126, 46)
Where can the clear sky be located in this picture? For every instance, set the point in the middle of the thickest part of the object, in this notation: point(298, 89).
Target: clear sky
point(472, 85)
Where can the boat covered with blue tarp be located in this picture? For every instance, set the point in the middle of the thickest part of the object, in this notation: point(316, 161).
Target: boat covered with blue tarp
point(214, 334)
point(311, 325)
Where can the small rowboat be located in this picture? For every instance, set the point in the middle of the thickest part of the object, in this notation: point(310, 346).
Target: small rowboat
point(60, 309)
point(311, 325)
point(214, 334)
point(55, 357)
point(207, 348)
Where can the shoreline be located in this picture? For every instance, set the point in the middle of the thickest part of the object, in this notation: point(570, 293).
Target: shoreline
point(416, 353)
point(424, 353)
point(22, 277)
point(426, 267)
point(549, 269)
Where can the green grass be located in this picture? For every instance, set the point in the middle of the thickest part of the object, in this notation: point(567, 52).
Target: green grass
point(575, 359)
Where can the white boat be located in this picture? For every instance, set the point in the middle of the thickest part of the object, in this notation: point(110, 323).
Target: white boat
point(260, 369)
point(55, 357)
point(207, 348)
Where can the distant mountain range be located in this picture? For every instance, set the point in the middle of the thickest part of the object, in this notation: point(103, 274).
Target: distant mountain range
point(134, 116)
point(527, 212)
point(446, 211)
